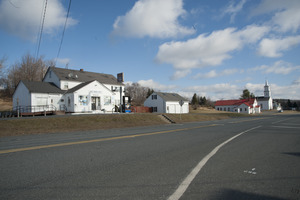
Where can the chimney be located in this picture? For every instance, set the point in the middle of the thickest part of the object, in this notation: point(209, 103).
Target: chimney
point(81, 70)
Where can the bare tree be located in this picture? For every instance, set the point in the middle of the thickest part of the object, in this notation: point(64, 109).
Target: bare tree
point(137, 93)
point(29, 68)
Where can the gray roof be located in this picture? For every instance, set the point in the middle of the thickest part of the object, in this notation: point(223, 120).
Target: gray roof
point(78, 87)
point(84, 76)
point(42, 87)
point(262, 98)
point(170, 96)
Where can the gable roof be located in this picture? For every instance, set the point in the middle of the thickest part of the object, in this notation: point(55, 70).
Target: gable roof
point(170, 96)
point(84, 76)
point(41, 87)
point(237, 102)
point(83, 85)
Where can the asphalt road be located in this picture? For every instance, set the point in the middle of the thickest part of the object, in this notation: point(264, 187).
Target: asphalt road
point(243, 158)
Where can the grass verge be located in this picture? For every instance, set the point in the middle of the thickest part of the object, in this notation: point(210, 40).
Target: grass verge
point(24, 126)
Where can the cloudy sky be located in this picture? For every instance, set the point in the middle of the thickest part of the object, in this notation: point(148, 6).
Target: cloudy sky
point(210, 47)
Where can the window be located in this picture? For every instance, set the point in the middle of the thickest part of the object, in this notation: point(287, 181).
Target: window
point(245, 109)
point(154, 97)
point(82, 100)
point(69, 101)
point(228, 109)
point(107, 100)
point(66, 86)
point(154, 109)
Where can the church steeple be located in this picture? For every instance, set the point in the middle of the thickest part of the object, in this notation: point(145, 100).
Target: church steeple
point(267, 91)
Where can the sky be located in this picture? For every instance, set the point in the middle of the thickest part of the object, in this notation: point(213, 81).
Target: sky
point(212, 48)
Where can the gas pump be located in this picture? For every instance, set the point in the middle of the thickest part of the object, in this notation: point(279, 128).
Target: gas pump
point(126, 107)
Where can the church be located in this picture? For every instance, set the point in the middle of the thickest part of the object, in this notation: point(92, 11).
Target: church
point(248, 106)
point(265, 102)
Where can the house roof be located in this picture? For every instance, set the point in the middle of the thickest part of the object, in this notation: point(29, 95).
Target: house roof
point(84, 76)
point(42, 87)
point(236, 102)
point(262, 98)
point(79, 87)
point(170, 96)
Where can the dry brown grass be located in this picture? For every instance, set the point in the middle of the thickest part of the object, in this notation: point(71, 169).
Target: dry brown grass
point(5, 104)
point(38, 125)
point(75, 123)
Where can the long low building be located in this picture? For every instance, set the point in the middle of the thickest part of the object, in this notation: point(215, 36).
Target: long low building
point(248, 106)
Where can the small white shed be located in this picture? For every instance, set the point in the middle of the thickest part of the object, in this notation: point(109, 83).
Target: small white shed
point(34, 96)
point(162, 102)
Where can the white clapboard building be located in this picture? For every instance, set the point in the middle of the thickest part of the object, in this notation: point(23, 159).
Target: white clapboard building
point(162, 102)
point(71, 91)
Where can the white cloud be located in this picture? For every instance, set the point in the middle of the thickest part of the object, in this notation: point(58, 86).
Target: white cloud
point(232, 9)
point(296, 82)
point(208, 50)
point(216, 92)
point(156, 86)
point(214, 73)
point(286, 17)
point(279, 67)
point(22, 18)
point(273, 47)
point(285, 92)
point(63, 61)
point(153, 18)
point(180, 74)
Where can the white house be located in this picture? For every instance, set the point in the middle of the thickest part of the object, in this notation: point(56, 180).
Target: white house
point(33, 96)
point(167, 103)
point(247, 106)
point(266, 101)
point(70, 90)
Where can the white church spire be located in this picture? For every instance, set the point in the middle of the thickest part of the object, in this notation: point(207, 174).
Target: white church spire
point(267, 90)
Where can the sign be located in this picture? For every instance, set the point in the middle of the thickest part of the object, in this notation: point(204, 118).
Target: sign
point(120, 77)
point(181, 102)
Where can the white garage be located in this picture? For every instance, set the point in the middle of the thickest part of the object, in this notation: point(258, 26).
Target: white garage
point(162, 102)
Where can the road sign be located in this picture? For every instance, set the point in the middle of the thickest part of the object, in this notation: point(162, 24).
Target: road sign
point(181, 102)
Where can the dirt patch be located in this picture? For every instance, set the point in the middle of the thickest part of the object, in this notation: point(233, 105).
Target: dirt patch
point(5, 104)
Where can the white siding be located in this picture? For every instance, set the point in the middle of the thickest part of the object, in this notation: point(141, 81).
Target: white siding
point(81, 100)
point(51, 77)
point(166, 107)
point(155, 103)
point(22, 96)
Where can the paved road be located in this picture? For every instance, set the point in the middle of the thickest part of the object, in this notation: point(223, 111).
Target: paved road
point(242, 158)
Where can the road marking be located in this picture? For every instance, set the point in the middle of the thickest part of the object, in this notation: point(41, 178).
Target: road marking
point(187, 181)
point(99, 140)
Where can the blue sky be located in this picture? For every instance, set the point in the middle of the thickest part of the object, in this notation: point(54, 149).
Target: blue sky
point(210, 47)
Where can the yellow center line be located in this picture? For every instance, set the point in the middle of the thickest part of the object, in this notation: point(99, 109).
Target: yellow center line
point(98, 140)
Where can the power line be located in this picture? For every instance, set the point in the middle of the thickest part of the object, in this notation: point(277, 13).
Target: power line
point(41, 33)
point(63, 34)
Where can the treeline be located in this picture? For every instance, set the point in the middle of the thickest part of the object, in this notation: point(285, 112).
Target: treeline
point(201, 101)
point(288, 104)
point(137, 93)
point(28, 68)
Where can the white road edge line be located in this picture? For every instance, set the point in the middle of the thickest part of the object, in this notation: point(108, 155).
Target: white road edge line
point(187, 181)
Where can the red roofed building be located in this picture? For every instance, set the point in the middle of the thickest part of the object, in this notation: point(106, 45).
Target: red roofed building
point(247, 106)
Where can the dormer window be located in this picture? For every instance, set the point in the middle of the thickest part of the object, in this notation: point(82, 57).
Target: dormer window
point(66, 86)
